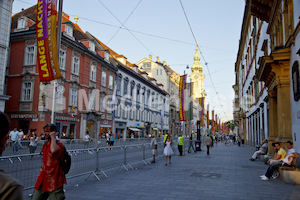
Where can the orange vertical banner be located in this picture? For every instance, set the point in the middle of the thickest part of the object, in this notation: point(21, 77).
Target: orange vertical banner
point(47, 61)
point(212, 122)
point(182, 87)
point(207, 116)
point(201, 103)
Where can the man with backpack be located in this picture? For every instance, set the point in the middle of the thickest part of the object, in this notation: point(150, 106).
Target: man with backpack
point(52, 174)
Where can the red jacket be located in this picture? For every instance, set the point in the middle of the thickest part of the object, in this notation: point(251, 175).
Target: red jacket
point(51, 175)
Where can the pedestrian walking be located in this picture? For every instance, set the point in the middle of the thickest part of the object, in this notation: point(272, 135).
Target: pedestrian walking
point(33, 141)
point(52, 177)
point(239, 141)
point(191, 144)
point(20, 137)
point(10, 188)
point(168, 149)
point(112, 141)
point(86, 140)
point(180, 144)
point(208, 142)
point(14, 135)
point(153, 146)
point(243, 140)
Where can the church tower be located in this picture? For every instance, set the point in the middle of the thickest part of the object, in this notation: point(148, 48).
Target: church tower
point(197, 77)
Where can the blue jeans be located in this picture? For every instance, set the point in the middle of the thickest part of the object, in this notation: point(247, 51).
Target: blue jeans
point(15, 146)
point(274, 167)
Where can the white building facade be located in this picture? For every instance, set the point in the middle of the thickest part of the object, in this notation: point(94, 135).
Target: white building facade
point(5, 22)
point(142, 106)
point(170, 83)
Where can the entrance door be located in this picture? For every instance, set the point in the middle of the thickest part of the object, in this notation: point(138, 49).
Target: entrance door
point(90, 126)
point(24, 125)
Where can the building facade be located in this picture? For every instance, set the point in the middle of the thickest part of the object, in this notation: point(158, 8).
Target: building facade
point(170, 81)
point(295, 76)
point(5, 22)
point(86, 76)
point(263, 69)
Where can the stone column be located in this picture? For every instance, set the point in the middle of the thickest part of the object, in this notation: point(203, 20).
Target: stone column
point(284, 121)
point(273, 126)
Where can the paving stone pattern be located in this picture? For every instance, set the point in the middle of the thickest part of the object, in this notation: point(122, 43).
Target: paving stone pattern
point(226, 173)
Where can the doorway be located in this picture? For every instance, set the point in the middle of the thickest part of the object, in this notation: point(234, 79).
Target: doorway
point(90, 127)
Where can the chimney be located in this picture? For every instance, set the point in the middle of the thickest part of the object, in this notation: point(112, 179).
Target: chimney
point(157, 59)
point(150, 57)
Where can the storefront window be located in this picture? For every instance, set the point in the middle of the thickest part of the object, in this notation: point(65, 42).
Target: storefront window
point(72, 131)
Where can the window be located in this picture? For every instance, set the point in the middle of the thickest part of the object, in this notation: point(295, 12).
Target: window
point(21, 23)
point(148, 97)
point(110, 82)
point(59, 94)
point(92, 46)
point(93, 73)
point(296, 81)
point(92, 101)
point(137, 115)
point(73, 99)
point(138, 93)
point(69, 31)
point(102, 103)
point(30, 55)
point(132, 84)
point(103, 78)
point(106, 56)
point(146, 65)
point(119, 79)
point(27, 91)
point(75, 67)
point(62, 59)
point(157, 72)
point(125, 86)
point(160, 71)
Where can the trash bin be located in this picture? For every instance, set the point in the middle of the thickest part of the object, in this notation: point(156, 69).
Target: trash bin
point(198, 145)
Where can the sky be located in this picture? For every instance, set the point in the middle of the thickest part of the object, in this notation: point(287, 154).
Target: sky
point(160, 28)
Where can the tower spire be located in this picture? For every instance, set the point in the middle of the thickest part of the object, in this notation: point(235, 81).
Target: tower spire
point(197, 65)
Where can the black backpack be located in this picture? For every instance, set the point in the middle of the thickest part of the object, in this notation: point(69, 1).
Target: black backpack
point(65, 163)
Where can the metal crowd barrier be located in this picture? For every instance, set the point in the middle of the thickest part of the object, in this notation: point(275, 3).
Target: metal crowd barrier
point(88, 161)
point(94, 161)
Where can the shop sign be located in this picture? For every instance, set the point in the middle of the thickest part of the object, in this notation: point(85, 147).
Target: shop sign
point(24, 116)
point(63, 118)
point(105, 122)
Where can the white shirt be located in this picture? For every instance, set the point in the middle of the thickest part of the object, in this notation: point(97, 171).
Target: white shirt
point(33, 142)
point(86, 138)
point(20, 136)
point(287, 159)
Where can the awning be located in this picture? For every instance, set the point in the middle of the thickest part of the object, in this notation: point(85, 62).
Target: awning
point(135, 129)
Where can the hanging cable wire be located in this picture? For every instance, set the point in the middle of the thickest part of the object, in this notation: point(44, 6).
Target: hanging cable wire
point(126, 27)
point(123, 23)
point(206, 64)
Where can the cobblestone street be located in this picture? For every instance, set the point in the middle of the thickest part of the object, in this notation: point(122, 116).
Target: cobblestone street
point(226, 173)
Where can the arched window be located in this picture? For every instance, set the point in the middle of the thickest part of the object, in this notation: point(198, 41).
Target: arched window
point(125, 88)
point(118, 82)
point(138, 87)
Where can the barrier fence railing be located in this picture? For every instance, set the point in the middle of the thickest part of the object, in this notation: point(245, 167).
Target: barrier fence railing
point(88, 161)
